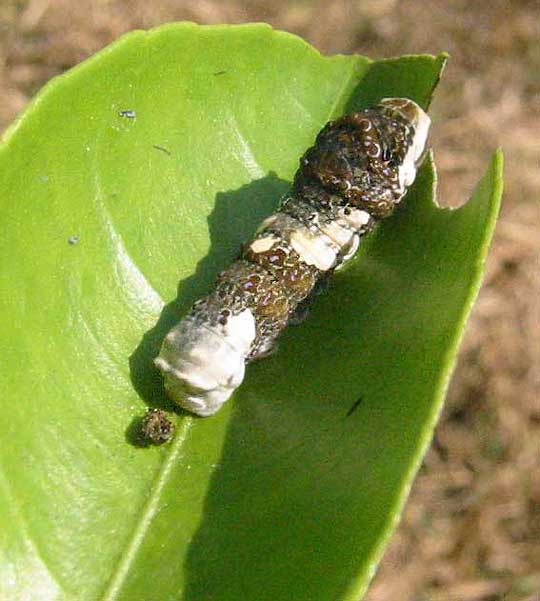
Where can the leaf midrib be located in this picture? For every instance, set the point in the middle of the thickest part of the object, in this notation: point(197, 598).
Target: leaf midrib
point(148, 512)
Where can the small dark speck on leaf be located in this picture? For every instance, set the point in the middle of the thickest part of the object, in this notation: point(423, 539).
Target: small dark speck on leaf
point(74, 240)
point(354, 406)
point(128, 114)
point(163, 149)
point(155, 428)
point(220, 72)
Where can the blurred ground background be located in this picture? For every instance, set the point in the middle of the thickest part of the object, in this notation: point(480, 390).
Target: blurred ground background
point(471, 530)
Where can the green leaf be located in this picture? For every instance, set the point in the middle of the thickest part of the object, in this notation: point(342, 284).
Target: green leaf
point(285, 494)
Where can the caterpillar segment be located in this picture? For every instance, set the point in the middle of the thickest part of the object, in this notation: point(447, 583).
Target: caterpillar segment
point(354, 175)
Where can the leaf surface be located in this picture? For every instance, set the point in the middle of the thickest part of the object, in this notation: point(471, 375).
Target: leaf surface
point(149, 165)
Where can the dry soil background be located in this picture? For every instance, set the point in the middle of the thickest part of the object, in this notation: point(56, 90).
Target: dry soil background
point(471, 531)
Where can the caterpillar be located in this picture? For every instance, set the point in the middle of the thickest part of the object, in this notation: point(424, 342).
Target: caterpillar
point(355, 174)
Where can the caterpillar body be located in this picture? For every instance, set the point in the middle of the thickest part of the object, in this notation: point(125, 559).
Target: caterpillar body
point(357, 171)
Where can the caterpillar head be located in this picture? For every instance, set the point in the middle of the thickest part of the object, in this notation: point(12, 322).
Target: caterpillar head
point(418, 122)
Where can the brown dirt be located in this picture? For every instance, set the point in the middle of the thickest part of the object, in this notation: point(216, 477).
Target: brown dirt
point(471, 530)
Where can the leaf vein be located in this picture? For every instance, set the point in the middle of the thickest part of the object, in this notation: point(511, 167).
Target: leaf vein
point(149, 510)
